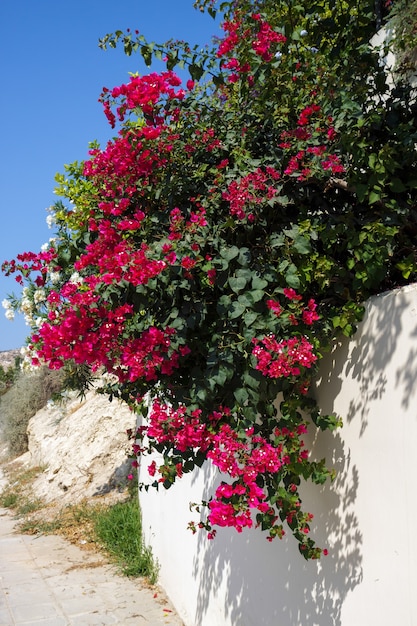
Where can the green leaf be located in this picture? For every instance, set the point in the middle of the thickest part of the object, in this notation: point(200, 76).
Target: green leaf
point(244, 257)
point(236, 310)
point(147, 55)
point(292, 277)
point(252, 379)
point(229, 253)
point(218, 80)
point(337, 321)
point(241, 396)
point(250, 317)
point(212, 358)
point(277, 240)
point(246, 299)
point(196, 71)
point(361, 191)
point(220, 377)
point(397, 185)
point(374, 196)
point(225, 300)
point(407, 266)
point(172, 60)
point(223, 304)
point(237, 283)
point(259, 283)
point(302, 245)
point(257, 295)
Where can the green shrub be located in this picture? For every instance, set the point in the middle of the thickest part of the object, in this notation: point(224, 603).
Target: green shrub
point(29, 393)
point(8, 375)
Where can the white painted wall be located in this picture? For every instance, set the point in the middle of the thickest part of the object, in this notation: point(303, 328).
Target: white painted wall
point(367, 517)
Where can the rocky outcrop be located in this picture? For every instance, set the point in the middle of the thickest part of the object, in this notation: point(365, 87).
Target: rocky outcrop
point(83, 448)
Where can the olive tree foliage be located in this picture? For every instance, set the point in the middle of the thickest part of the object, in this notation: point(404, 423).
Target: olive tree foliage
point(28, 394)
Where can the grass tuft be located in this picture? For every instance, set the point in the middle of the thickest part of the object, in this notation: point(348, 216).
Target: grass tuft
point(8, 500)
point(119, 530)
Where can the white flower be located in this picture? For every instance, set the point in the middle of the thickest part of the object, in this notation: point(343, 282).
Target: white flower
point(6, 304)
point(303, 33)
point(55, 277)
point(26, 305)
point(27, 365)
point(10, 314)
point(50, 220)
point(29, 320)
point(76, 278)
point(48, 244)
point(39, 296)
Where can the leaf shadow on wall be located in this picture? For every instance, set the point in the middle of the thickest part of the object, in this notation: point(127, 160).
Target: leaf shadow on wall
point(364, 362)
point(270, 584)
point(370, 355)
point(382, 339)
point(406, 375)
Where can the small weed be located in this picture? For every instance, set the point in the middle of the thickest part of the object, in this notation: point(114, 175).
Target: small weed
point(31, 526)
point(15, 495)
point(8, 499)
point(21, 478)
point(28, 506)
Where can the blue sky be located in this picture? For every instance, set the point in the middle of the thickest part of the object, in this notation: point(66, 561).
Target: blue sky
point(52, 75)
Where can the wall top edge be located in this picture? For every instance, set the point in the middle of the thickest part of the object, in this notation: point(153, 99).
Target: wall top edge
point(394, 292)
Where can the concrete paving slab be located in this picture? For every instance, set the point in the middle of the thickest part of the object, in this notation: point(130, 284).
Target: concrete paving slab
point(46, 581)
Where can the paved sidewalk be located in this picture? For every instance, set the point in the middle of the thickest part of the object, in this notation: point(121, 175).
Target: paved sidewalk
point(45, 580)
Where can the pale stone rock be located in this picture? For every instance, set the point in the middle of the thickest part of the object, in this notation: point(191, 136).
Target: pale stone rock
point(83, 448)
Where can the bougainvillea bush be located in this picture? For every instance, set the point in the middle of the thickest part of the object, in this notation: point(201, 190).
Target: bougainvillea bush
point(208, 255)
